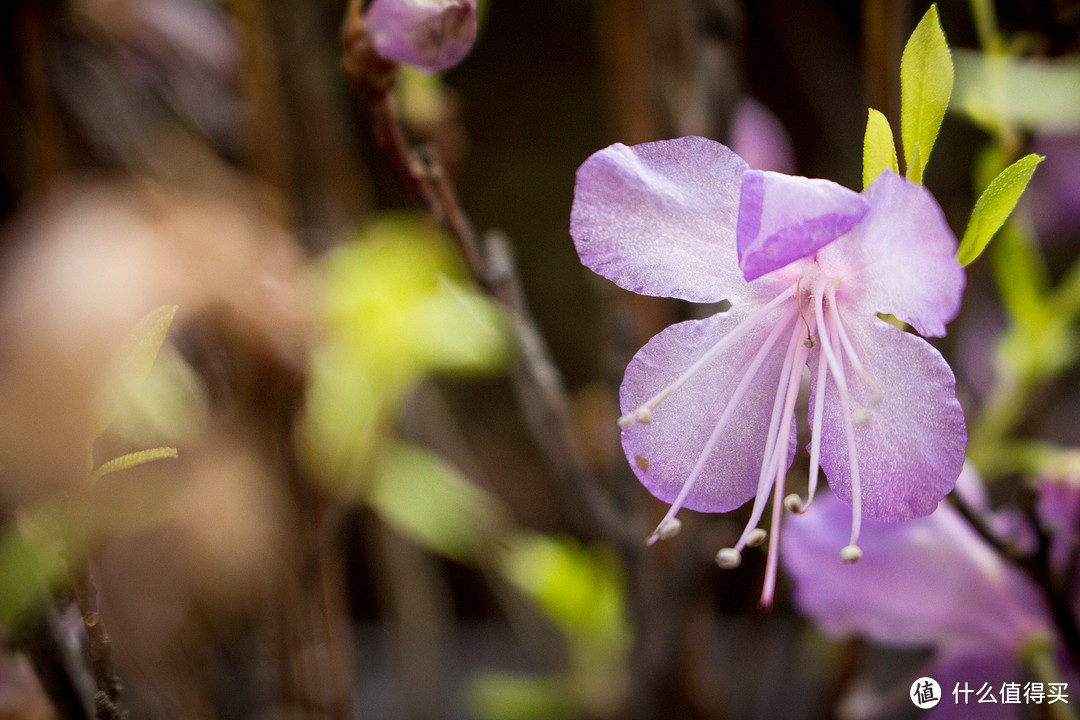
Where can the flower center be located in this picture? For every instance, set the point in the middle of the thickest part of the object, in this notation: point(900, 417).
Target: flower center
point(812, 323)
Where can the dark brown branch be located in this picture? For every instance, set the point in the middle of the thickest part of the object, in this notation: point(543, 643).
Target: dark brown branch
point(99, 649)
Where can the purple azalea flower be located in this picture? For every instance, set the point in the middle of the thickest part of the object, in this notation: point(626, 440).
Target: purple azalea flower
point(930, 582)
point(807, 266)
point(433, 35)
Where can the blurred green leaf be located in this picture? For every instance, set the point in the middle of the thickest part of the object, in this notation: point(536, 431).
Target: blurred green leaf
point(32, 552)
point(1029, 93)
point(879, 147)
point(431, 503)
point(345, 414)
point(579, 589)
point(926, 81)
point(135, 358)
point(496, 695)
point(994, 207)
point(394, 306)
point(1021, 278)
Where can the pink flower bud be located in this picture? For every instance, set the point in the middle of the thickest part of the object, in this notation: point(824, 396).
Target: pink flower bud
point(433, 35)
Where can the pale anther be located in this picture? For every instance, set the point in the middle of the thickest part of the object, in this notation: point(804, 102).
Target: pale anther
point(756, 537)
point(666, 530)
point(642, 415)
point(851, 554)
point(793, 503)
point(861, 417)
point(728, 558)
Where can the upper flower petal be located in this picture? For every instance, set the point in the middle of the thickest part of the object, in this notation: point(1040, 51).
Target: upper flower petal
point(664, 452)
point(900, 259)
point(783, 218)
point(931, 581)
point(659, 218)
point(912, 449)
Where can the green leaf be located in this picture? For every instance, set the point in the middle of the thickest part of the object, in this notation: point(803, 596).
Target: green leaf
point(32, 551)
point(926, 80)
point(132, 459)
point(994, 207)
point(135, 359)
point(1041, 94)
point(1021, 278)
point(501, 695)
point(431, 503)
point(580, 589)
point(879, 147)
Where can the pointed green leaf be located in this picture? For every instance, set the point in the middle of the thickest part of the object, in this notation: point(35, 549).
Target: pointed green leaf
point(135, 358)
point(994, 206)
point(926, 80)
point(879, 147)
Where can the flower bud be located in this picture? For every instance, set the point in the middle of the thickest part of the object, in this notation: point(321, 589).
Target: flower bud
point(433, 35)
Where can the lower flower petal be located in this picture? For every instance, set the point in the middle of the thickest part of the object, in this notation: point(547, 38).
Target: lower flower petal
point(930, 581)
point(912, 449)
point(665, 451)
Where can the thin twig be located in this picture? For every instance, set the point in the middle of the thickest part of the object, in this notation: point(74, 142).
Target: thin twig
point(100, 649)
point(537, 383)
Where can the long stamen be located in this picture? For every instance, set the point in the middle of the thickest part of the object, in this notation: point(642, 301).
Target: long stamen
point(731, 557)
point(793, 502)
point(849, 349)
point(643, 413)
point(668, 527)
point(771, 563)
point(861, 415)
point(852, 553)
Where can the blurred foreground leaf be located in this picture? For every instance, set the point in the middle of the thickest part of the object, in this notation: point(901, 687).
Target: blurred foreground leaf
point(32, 552)
point(926, 81)
point(395, 307)
point(431, 503)
point(1029, 93)
point(135, 359)
point(580, 590)
point(496, 695)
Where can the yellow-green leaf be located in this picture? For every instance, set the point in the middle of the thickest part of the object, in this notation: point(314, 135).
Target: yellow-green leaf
point(132, 459)
point(879, 147)
point(994, 206)
point(926, 80)
point(135, 358)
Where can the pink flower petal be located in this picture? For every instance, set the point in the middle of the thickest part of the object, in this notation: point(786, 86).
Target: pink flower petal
point(659, 218)
point(783, 218)
point(931, 581)
point(900, 259)
point(912, 449)
point(663, 452)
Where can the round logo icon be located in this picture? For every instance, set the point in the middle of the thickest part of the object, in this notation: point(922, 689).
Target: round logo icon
point(925, 693)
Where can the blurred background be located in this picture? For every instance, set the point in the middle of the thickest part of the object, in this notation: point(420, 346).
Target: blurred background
point(383, 501)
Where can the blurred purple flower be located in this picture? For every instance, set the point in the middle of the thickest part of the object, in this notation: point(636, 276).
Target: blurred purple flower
point(807, 265)
point(759, 137)
point(433, 35)
point(1054, 201)
point(932, 582)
